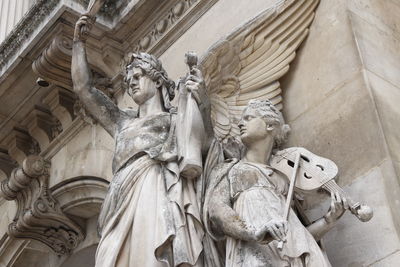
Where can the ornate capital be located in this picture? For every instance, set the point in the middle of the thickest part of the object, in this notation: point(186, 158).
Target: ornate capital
point(39, 216)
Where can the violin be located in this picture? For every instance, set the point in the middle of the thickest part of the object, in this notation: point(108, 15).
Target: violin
point(316, 173)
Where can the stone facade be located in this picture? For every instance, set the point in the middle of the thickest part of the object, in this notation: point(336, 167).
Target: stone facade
point(340, 98)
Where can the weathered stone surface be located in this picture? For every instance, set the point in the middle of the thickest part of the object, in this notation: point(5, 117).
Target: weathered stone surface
point(342, 130)
point(327, 61)
point(90, 152)
point(376, 239)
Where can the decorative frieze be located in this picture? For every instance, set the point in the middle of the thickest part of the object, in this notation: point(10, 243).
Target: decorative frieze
point(38, 215)
point(170, 26)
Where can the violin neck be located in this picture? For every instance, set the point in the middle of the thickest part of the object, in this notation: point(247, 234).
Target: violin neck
point(332, 187)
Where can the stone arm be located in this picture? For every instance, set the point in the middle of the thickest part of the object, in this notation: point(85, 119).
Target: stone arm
point(97, 103)
point(224, 218)
point(323, 225)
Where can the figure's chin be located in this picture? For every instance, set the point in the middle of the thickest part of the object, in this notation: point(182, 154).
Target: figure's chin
point(138, 100)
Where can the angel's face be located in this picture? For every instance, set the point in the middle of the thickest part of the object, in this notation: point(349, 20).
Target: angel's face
point(140, 87)
point(252, 127)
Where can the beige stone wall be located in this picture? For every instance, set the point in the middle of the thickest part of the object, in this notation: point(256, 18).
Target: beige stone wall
point(340, 101)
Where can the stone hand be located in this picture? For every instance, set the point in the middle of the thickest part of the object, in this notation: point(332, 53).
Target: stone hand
point(338, 207)
point(82, 28)
point(276, 229)
point(194, 82)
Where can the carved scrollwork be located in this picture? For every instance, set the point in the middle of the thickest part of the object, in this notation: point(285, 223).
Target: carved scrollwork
point(54, 65)
point(39, 216)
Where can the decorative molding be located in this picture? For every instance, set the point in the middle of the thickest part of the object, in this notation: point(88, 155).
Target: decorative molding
point(7, 164)
point(20, 145)
point(54, 64)
point(39, 215)
point(63, 138)
point(171, 26)
point(77, 194)
point(42, 126)
point(61, 103)
point(25, 28)
point(110, 9)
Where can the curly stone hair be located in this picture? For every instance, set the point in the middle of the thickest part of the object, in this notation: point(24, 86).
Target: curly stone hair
point(271, 115)
point(152, 67)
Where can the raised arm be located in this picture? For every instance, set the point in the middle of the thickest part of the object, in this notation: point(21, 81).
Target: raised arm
point(97, 103)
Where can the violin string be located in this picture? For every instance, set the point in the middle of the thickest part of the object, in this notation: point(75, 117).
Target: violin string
point(341, 192)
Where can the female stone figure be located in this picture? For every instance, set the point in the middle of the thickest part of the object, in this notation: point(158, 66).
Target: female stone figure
point(150, 215)
point(247, 203)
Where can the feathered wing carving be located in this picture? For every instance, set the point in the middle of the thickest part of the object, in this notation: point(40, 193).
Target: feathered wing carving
point(249, 62)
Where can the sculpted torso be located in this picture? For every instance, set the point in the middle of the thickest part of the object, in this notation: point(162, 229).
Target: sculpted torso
point(136, 135)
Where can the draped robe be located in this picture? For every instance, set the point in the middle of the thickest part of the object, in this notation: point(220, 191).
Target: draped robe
point(150, 215)
point(258, 196)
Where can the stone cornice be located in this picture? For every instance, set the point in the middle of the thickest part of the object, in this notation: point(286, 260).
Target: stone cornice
point(161, 33)
point(24, 29)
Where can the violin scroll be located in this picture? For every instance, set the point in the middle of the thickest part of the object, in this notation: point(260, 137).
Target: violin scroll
point(363, 212)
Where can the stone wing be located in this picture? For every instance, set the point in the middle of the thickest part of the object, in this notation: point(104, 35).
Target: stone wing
point(248, 63)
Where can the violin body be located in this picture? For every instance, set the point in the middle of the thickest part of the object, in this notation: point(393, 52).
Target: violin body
point(315, 173)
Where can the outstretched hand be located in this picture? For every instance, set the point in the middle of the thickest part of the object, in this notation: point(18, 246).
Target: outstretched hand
point(83, 27)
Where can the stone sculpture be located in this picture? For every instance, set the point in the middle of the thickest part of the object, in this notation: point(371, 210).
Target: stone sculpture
point(241, 201)
point(151, 215)
point(247, 201)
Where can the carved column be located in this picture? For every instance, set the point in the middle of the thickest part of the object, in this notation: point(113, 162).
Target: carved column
point(39, 216)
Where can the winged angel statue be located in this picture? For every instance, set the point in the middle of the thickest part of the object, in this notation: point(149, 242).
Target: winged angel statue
point(152, 214)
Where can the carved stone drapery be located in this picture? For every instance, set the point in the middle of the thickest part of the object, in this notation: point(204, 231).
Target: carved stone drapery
point(39, 216)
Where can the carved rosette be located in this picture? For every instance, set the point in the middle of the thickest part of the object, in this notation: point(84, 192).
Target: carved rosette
point(39, 216)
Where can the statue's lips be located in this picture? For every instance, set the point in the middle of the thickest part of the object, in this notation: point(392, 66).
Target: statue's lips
point(242, 131)
point(134, 89)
